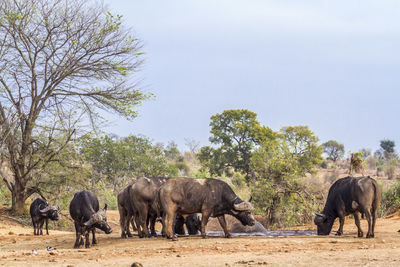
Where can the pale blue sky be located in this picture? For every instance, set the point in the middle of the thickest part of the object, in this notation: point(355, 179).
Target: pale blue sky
point(315, 63)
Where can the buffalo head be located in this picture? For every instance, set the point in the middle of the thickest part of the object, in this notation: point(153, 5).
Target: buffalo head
point(242, 212)
point(50, 212)
point(324, 223)
point(99, 220)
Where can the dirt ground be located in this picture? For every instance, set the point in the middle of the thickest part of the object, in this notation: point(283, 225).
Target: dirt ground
point(17, 243)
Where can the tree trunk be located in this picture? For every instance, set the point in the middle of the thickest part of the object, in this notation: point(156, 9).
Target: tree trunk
point(274, 216)
point(18, 199)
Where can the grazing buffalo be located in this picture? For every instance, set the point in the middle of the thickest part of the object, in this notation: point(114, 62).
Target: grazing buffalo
point(210, 197)
point(84, 210)
point(350, 196)
point(41, 212)
point(143, 194)
point(192, 222)
point(125, 212)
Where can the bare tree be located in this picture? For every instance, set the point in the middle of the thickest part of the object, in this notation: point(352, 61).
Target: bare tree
point(193, 145)
point(61, 62)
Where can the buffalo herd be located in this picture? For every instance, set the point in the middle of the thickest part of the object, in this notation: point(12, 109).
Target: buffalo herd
point(179, 202)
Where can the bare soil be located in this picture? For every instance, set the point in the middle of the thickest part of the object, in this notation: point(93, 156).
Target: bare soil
point(17, 243)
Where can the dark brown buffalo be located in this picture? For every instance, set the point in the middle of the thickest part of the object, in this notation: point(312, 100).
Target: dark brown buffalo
point(210, 197)
point(125, 212)
point(350, 196)
point(41, 212)
point(84, 210)
point(143, 194)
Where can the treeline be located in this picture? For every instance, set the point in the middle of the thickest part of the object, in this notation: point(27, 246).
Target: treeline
point(267, 165)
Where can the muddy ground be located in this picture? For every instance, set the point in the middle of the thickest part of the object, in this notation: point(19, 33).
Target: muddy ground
point(17, 243)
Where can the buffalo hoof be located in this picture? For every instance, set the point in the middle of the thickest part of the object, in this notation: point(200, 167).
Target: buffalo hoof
point(228, 236)
point(123, 235)
point(338, 233)
point(87, 245)
point(130, 235)
point(370, 236)
point(76, 246)
point(174, 238)
point(360, 234)
point(94, 242)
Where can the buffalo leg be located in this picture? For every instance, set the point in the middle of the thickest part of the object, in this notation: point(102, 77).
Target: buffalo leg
point(47, 226)
point(122, 218)
point(34, 226)
point(134, 228)
point(94, 241)
point(357, 221)
point(41, 227)
point(152, 225)
point(168, 220)
point(78, 235)
point(204, 221)
point(127, 225)
point(341, 223)
point(368, 217)
point(222, 222)
point(374, 213)
point(87, 242)
point(143, 218)
point(139, 228)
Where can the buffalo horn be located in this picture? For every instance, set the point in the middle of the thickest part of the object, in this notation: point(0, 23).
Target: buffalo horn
point(89, 222)
point(46, 209)
point(243, 206)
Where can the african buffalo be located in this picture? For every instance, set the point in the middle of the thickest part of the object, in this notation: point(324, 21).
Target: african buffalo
point(41, 212)
point(125, 212)
point(143, 194)
point(192, 222)
point(84, 210)
point(210, 197)
point(350, 196)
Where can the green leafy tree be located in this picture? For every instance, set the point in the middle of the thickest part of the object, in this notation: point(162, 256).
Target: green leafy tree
point(334, 150)
point(387, 148)
point(117, 162)
point(303, 145)
point(60, 63)
point(279, 164)
point(176, 160)
point(235, 133)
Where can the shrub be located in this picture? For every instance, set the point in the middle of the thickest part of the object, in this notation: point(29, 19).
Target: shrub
point(390, 200)
point(324, 164)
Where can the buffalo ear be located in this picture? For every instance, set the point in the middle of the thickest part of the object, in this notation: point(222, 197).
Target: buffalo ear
point(105, 207)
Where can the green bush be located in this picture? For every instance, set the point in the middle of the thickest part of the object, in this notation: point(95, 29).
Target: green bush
point(390, 200)
point(111, 199)
point(5, 195)
point(324, 164)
